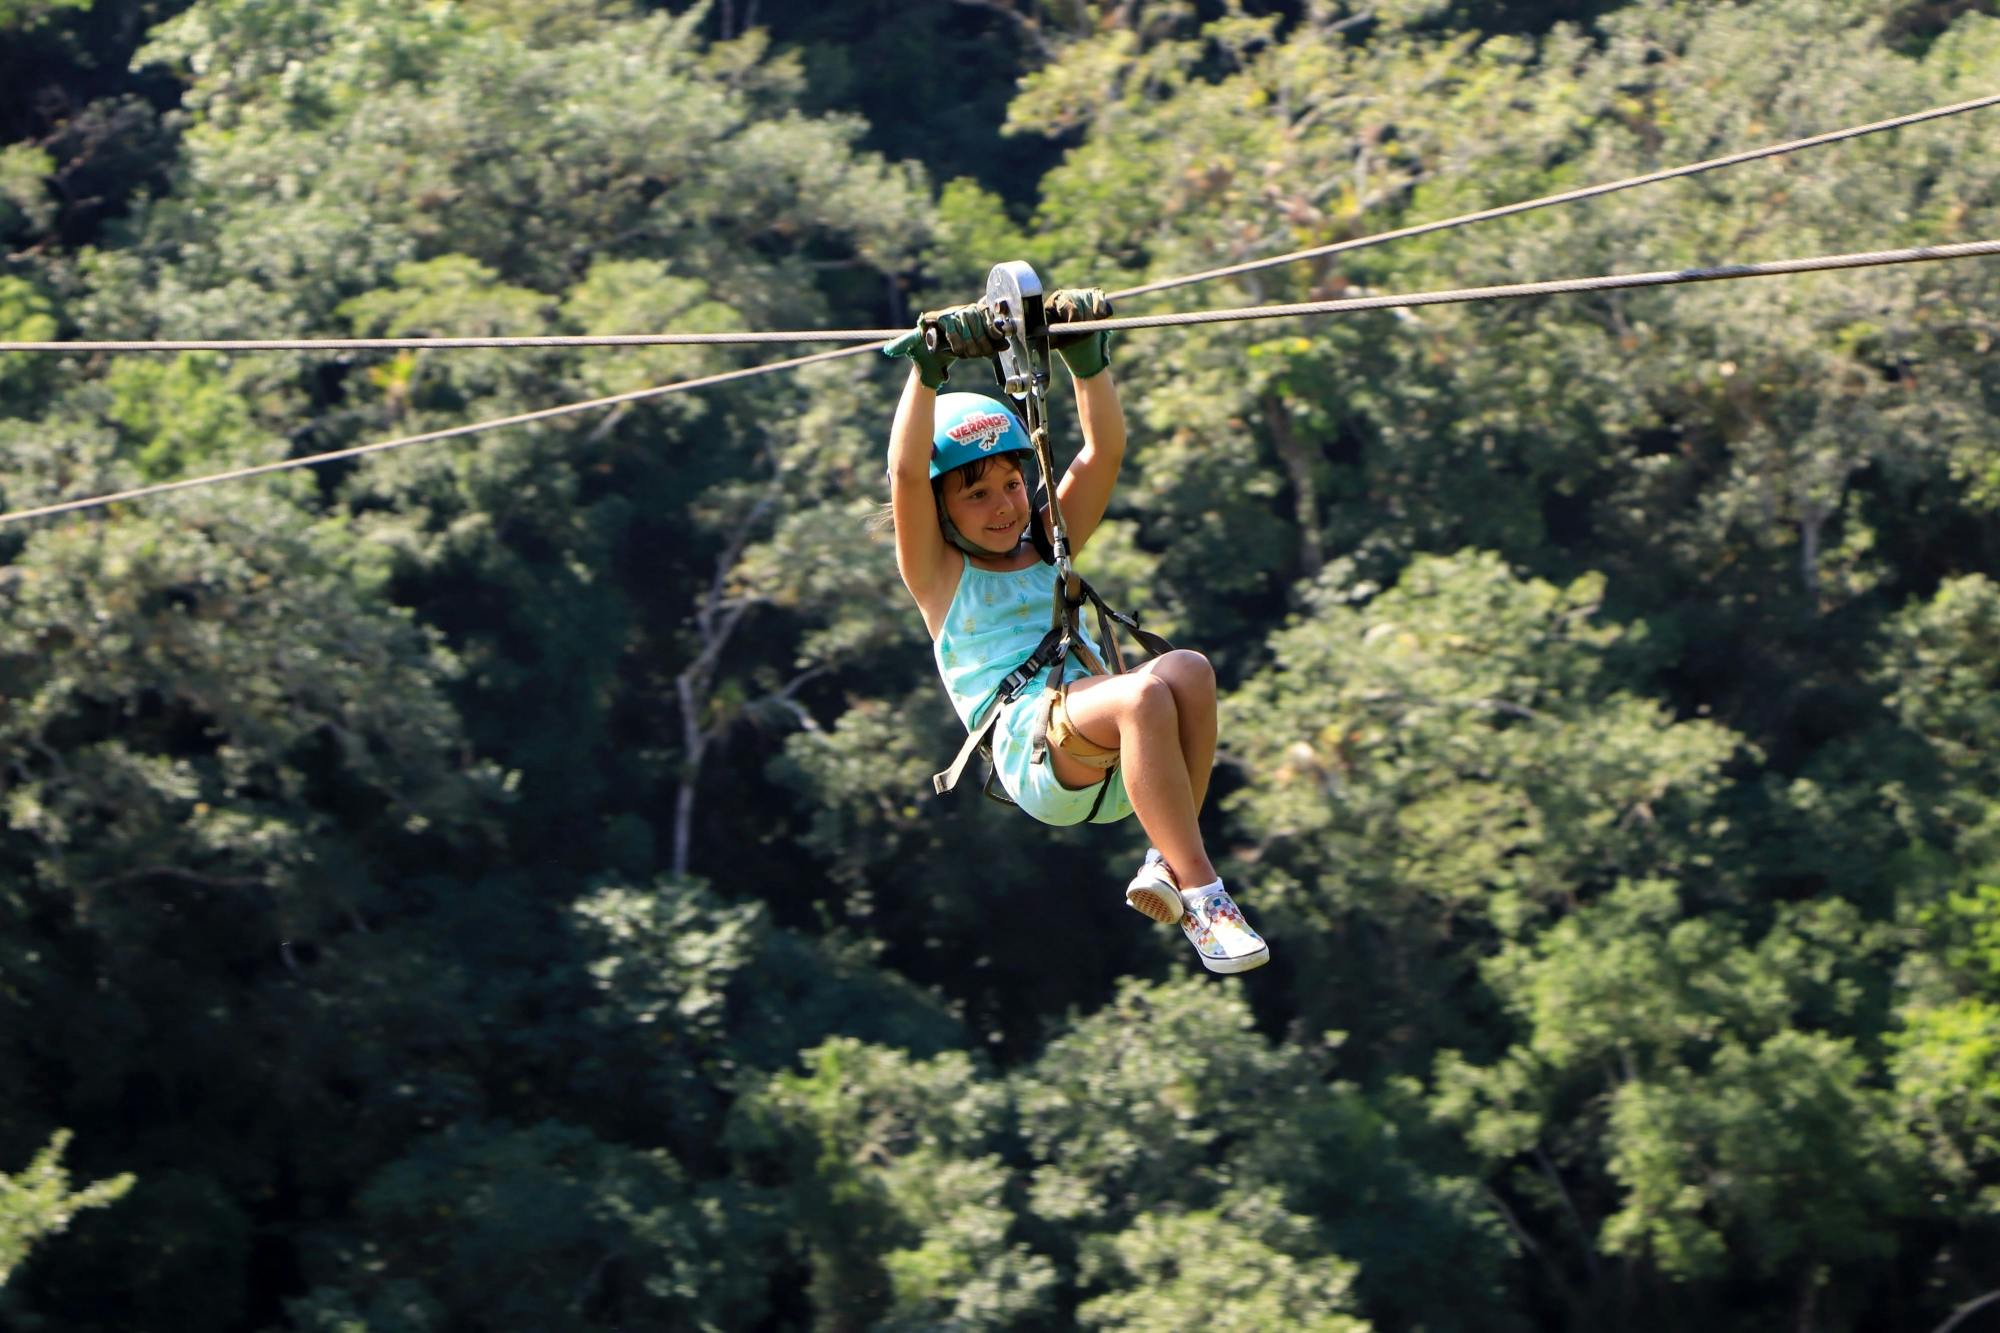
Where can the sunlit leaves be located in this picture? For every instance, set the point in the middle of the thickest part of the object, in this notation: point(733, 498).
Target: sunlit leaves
point(38, 1202)
point(340, 807)
point(242, 631)
point(1941, 660)
point(899, 1199)
point(1692, 1059)
point(26, 315)
point(174, 416)
point(1780, 1153)
point(1946, 1068)
point(1245, 1267)
point(26, 206)
point(456, 135)
point(646, 296)
point(1461, 738)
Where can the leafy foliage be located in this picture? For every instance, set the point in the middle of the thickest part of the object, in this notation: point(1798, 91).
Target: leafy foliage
point(497, 884)
point(39, 1202)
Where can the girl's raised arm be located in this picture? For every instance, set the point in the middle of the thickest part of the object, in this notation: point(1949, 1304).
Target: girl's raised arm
point(1086, 486)
point(928, 566)
point(922, 557)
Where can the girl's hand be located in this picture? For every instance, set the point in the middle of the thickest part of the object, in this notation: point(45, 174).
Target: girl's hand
point(962, 333)
point(1085, 354)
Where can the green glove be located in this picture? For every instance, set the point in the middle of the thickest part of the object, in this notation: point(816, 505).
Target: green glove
point(963, 333)
point(933, 368)
point(1086, 354)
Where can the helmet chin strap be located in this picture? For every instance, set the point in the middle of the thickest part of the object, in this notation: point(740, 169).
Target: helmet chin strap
point(966, 544)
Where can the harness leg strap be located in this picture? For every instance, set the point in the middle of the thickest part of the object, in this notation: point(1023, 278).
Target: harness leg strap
point(945, 781)
point(1064, 736)
point(1051, 724)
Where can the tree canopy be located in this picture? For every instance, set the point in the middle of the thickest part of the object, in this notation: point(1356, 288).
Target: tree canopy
point(496, 885)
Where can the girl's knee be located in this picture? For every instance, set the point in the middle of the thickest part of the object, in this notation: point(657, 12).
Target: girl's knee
point(1147, 697)
point(1186, 669)
point(1196, 666)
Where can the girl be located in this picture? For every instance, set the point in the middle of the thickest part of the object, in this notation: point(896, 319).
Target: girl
point(969, 550)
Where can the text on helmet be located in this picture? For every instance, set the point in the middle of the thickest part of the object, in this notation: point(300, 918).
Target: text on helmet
point(985, 427)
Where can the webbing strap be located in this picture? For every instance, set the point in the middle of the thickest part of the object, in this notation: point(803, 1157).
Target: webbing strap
point(1045, 653)
point(1055, 648)
point(1155, 645)
point(975, 741)
point(979, 736)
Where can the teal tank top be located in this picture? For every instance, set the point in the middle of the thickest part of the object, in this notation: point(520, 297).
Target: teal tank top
point(994, 622)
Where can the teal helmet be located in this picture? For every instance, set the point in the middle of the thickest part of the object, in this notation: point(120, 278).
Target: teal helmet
point(970, 426)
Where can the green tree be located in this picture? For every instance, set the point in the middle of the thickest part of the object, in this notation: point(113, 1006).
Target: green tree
point(1202, 1128)
point(543, 1226)
point(1676, 1097)
point(1448, 760)
point(1715, 1165)
point(897, 1199)
point(226, 757)
point(38, 1203)
point(1235, 1269)
point(435, 868)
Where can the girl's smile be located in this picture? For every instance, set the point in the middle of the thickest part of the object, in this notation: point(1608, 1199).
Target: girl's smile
point(993, 510)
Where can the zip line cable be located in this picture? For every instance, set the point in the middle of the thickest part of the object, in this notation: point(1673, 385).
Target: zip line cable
point(1614, 282)
point(880, 335)
point(1561, 286)
point(430, 344)
point(871, 339)
point(450, 432)
point(1568, 197)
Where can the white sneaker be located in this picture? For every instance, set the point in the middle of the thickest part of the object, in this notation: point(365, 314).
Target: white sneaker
point(1215, 926)
point(1154, 892)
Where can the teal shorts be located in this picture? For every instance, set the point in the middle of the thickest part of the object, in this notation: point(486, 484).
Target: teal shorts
point(1035, 787)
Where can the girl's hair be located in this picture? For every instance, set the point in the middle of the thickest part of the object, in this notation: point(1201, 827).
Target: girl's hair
point(974, 470)
point(884, 517)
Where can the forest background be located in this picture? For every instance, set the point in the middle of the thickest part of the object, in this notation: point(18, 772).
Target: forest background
point(495, 886)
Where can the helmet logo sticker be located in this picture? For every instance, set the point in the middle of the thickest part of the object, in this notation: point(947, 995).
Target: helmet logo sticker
point(984, 427)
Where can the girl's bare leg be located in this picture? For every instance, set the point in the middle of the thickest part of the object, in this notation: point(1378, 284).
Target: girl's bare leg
point(1137, 713)
point(1192, 679)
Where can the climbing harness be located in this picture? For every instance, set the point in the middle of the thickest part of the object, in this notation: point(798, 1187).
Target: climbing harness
point(1018, 321)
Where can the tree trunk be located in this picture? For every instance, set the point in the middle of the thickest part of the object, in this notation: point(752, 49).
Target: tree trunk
point(715, 622)
point(1809, 539)
point(694, 741)
point(1298, 465)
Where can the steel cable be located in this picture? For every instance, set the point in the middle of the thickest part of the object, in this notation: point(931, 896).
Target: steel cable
point(450, 432)
point(1614, 282)
point(879, 335)
point(1568, 197)
point(433, 344)
point(874, 338)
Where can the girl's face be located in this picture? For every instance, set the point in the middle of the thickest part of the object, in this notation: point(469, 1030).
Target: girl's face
point(992, 508)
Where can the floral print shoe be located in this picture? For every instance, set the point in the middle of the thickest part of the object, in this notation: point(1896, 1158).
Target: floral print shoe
point(1215, 926)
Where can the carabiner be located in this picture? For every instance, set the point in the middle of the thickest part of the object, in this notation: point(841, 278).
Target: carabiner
point(1013, 303)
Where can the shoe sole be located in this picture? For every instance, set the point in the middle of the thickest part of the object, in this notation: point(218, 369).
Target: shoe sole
point(1248, 962)
point(1161, 905)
